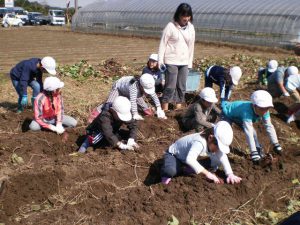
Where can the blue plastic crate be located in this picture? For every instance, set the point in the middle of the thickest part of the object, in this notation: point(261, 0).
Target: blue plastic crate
point(193, 81)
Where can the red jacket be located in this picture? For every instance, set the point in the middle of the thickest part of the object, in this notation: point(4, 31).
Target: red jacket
point(43, 109)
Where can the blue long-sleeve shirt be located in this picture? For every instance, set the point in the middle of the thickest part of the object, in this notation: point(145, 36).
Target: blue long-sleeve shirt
point(25, 72)
point(216, 74)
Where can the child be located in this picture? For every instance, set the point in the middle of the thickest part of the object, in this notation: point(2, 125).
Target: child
point(245, 113)
point(199, 113)
point(225, 78)
point(264, 73)
point(134, 88)
point(293, 87)
point(213, 142)
point(152, 68)
point(29, 73)
point(277, 81)
point(49, 109)
point(107, 124)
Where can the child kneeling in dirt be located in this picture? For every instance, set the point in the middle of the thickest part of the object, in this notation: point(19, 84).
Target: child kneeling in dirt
point(226, 78)
point(152, 68)
point(202, 111)
point(214, 142)
point(107, 124)
point(134, 88)
point(49, 109)
point(245, 113)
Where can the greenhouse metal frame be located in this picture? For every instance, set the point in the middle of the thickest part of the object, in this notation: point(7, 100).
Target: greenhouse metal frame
point(258, 22)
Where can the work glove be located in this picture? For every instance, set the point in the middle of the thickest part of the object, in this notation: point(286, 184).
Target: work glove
point(124, 146)
point(137, 116)
point(233, 179)
point(53, 128)
point(286, 94)
point(148, 112)
point(213, 177)
point(277, 149)
point(24, 101)
point(59, 129)
point(132, 143)
point(160, 113)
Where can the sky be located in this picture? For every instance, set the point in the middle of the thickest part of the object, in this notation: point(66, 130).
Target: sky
point(62, 3)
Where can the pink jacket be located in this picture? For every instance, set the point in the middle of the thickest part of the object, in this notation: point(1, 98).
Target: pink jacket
point(43, 109)
point(177, 45)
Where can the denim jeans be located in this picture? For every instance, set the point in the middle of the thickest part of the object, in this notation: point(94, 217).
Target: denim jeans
point(33, 84)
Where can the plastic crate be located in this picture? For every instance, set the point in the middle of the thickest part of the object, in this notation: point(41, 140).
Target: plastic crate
point(193, 81)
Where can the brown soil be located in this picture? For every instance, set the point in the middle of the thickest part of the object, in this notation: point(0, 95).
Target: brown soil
point(106, 186)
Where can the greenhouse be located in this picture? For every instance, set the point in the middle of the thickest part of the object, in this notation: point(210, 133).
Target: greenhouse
point(259, 22)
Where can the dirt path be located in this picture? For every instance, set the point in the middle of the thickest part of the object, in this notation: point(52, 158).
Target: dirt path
point(68, 47)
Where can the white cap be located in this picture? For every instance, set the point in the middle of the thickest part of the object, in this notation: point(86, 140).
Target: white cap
point(49, 64)
point(292, 70)
point(235, 73)
point(224, 135)
point(262, 99)
point(154, 57)
point(122, 107)
point(52, 83)
point(208, 94)
point(272, 65)
point(148, 83)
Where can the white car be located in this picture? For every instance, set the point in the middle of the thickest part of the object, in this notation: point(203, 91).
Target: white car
point(11, 20)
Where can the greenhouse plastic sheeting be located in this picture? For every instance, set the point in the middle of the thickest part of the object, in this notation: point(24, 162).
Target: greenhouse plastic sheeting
point(260, 22)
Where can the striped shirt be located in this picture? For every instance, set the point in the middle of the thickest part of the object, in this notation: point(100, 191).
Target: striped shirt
point(129, 87)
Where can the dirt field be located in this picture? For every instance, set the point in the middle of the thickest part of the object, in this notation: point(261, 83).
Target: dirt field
point(105, 186)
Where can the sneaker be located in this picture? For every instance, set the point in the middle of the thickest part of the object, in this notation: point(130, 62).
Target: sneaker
point(291, 119)
point(260, 152)
point(82, 149)
point(165, 180)
point(255, 156)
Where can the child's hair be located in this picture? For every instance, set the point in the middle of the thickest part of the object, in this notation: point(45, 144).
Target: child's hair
point(50, 95)
point(207, 132)
point(227, 77)
point(183, 9)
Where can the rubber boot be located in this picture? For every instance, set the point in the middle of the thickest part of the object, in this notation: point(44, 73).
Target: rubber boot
point(32, 102)
point(20, 107)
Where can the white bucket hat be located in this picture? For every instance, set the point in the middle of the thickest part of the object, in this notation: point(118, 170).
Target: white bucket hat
point(148, 83)
point(49, 64)
point(262, 99)
point(292, 70)
point(154, 57)
point(208, 94)
point(122, 107)
point(224, 135)
point(272, 65)
point(53, 83)
point(235, 73)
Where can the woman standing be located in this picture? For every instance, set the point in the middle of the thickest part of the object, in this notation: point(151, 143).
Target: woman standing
point(176, 52)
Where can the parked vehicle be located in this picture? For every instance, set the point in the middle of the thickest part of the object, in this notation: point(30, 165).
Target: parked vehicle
point(3, 11)
point(57, 17)
point(11, 20)
point(19, 12)
point(37, 18)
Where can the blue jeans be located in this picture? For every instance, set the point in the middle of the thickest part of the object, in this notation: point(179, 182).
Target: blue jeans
point(36, 88)
point(172, 166)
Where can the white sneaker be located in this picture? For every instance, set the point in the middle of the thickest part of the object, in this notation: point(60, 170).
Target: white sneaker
point(291, 118)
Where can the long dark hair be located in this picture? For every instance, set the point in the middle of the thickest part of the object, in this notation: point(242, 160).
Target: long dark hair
point(183, 9)
point(50, 95)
